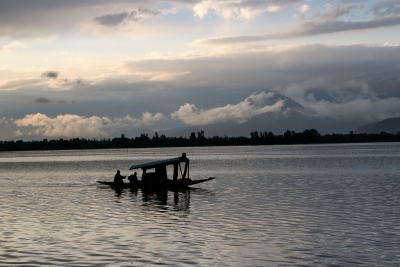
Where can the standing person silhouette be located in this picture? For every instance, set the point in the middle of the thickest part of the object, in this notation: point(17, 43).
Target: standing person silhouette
point(118, 178)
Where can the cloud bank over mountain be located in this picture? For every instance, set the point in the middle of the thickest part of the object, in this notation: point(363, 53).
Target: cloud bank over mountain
point(241, 112)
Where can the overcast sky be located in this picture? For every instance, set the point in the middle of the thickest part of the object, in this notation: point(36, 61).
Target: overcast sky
point(92, 68)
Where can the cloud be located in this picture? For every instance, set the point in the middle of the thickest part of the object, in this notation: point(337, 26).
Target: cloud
point(304, 29)
point(167, 76)
point(50, 74)
point(112, 19)
point(252, 106)
point(45, 100)
point(18, 133)
point(360, 105)
point(386, 8)
point(146, 120)
point(65, 125)
point(362, 108)
point(18, 83)
point(271, 66)
point(65, 84)
point(50, 80)
point(238, 9)
point(41, 18)
point(345, 73)
point(12, 46)
point(70, 125)
point(333, 13)
point(304, 8)
point(3, 120)
point(41, 100)
point(146, 11)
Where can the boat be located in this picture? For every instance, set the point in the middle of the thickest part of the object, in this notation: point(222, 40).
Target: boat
point(154, 174)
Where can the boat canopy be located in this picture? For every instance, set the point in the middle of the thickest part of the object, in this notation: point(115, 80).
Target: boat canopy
point(159, 163)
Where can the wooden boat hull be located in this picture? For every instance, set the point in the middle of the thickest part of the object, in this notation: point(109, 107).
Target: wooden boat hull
point(181, 183)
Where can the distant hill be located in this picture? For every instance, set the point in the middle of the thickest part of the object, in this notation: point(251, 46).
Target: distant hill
point(391, 125)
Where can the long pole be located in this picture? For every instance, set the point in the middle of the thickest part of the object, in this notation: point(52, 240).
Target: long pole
point(180, 169)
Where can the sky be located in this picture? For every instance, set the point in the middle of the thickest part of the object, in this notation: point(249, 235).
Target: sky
point(96, 68)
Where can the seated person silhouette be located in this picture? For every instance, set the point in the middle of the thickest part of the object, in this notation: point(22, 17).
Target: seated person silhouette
point(133, 178)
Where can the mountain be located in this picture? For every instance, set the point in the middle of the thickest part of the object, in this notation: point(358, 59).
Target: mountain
point(391, 125)
point(292, 116)
point(295, 120)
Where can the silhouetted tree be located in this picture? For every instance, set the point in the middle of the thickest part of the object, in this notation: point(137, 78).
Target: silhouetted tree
point(193, 138)
point(200, 137)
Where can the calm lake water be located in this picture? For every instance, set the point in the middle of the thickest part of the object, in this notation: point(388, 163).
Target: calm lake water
point(316, 205)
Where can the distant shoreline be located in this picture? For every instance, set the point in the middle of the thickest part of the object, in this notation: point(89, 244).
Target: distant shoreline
point(199, 140)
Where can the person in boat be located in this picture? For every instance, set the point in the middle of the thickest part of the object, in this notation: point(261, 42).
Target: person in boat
point(118, 178)
point(133, 178)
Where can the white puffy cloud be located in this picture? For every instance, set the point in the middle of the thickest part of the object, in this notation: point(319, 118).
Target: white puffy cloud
point(3, 120)
point(238, 9)
point(70, 125)
point(252, 106)
point(146, 120)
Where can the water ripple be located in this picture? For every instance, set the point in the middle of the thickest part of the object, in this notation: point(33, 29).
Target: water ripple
point(269, 206)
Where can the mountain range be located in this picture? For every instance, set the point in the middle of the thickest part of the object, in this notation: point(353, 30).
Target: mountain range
point(391, 125)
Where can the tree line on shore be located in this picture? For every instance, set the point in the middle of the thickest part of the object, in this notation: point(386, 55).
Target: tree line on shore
point(309, 136)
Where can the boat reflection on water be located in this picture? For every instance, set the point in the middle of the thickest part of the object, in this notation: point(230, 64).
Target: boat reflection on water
point(162, 199)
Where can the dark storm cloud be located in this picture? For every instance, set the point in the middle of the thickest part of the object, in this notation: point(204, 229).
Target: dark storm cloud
point(117, 18)
point(354, 81)
point(45, 100)
point(50, 74)
point(148, 11)
point(112, 19)
point(41, 100)
point(304, 66)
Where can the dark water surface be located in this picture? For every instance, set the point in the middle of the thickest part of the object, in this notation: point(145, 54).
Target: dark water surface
point(322, 205)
